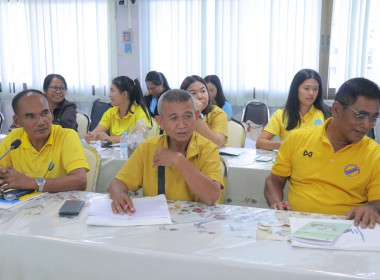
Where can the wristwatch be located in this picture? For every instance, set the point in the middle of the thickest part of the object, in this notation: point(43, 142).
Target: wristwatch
point(41, 183)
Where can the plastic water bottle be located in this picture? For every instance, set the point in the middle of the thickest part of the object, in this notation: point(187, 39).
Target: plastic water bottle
point(123, 146)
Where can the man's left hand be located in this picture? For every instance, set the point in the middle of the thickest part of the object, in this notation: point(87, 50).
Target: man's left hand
point(366, 215)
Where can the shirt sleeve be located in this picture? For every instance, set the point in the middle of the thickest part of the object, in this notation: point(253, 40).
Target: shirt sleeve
point(69, 118)
point(282, 166)
point(106, 119)
point(73, 156)
point(131, 174)
point(274, 124)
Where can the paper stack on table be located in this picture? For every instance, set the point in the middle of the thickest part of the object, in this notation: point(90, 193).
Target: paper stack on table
point(149, 211)
point(353, 238)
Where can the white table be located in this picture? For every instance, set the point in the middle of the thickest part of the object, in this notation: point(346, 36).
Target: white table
point(246, 178)
point(216, 242)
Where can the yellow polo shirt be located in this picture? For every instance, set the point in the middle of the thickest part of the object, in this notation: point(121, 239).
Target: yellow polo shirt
point(324, 181)
point(61, 154)
point(277, 125)
point(111, 119)
point(217, 121)
point(138, 172)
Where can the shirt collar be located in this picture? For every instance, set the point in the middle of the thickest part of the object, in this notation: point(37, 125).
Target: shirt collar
point(192, 148)
point(25, 142)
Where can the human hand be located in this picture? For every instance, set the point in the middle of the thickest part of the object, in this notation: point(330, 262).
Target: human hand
point(366, 215)
point(165, 157)
point(11, 179)
point(122, 203)
point(200, 105)
point(281, 205)
point(90, 137)
point(102, 136)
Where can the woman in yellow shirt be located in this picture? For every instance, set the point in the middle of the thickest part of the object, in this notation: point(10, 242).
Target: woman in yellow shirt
point(127, 98)
point(303, 108)
point(212, 122)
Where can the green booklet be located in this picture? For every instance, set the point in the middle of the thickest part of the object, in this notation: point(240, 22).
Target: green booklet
point(318, 232)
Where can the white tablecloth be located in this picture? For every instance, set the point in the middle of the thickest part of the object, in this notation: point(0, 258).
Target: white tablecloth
point(216, 242)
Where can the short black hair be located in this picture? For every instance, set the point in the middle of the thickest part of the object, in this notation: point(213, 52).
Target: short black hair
point(20, 95)
point(174, 95)
point(50, 77)
point(350, 90)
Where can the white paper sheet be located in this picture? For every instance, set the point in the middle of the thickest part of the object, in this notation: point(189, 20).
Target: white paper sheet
point(354, 238)
point(149, 211)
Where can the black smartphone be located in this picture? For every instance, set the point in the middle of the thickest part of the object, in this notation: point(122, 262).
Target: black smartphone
point(71, 208)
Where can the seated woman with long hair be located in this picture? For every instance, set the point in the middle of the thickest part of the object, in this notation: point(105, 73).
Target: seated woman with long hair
point(129, 107)
point(156, 84)
point(217, 95)
point(304, 108)
point(212, 122)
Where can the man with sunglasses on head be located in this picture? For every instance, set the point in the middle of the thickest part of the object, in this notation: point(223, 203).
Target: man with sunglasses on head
point(334, 168)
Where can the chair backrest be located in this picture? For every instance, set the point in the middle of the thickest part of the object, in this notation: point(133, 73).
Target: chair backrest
point(371, 133)
point(83, 122)
point(94, 163)
point(224, 177)
point(236, 133)
point(97, 111)
point(1, 120)
point(257, 112)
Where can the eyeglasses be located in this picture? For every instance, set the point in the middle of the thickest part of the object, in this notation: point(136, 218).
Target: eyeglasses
point(61, 89)
point(362, 116)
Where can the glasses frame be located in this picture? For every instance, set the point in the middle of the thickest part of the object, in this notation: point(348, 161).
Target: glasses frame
point(362, 116)
point(56, 89)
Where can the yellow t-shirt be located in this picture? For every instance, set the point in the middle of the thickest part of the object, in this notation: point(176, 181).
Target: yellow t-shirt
point(112, 121)
point(217, 121)
point(138, 172)
point(277, 125)
point(324, 181)
point(61, 154)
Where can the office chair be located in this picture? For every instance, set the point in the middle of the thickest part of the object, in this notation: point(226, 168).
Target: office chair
point(236, 133)
point(97, 111)
point(257, 112)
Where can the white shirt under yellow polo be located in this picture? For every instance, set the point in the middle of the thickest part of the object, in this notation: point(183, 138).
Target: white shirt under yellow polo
point(61, 154)
point(217, 121)
point(111, 119)
point(277, 125)
point(138, 171)
point(322, 181)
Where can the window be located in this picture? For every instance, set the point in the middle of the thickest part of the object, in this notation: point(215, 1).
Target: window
point(249, 44)
point(70, 38)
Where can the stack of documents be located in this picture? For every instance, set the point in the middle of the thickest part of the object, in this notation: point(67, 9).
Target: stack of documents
point(6, 204)
point(333, 234)
point(149, 211)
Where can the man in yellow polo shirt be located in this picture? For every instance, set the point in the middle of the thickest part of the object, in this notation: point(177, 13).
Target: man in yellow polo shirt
point(50, 158)
point(186, 162)
point(334, 168)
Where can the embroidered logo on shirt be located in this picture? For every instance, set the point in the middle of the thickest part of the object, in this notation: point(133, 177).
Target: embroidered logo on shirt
point(309, 154)
point(352, 170)
point(51, 166)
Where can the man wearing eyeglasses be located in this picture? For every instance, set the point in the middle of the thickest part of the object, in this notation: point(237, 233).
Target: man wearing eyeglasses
point(334, 168)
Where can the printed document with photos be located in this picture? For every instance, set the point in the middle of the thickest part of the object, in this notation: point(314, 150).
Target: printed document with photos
point(149, 211)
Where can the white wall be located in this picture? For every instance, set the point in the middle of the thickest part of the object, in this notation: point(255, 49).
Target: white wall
point(126, 18)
